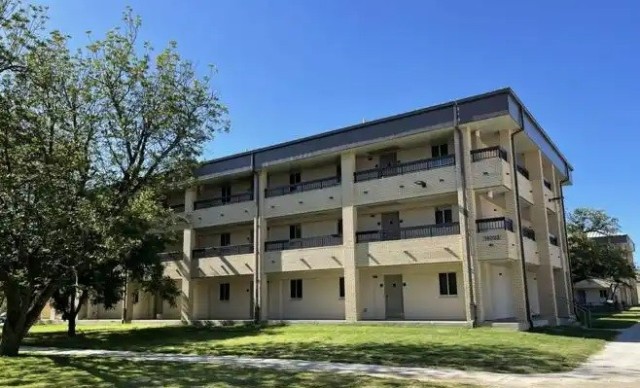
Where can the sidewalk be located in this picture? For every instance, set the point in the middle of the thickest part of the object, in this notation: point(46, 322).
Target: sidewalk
point(618, 363)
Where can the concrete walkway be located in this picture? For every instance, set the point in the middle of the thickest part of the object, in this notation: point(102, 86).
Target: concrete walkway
point(618, 364)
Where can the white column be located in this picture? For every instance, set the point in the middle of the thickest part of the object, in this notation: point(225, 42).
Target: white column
point(349, 227)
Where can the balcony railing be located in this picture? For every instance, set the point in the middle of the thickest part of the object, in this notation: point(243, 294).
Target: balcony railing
point(301, 243)
point(498, 223)
point(553, 240)
point(228, 250)
point(488, 153)
point(220, 201)
point(529, 233)
point(547, 184)
point(404, 168)
point(179, 208)
point(303, 186)
point(170, 256)
point(409, 232)
point(523, 171)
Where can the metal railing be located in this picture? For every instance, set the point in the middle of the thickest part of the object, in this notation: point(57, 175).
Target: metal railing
point(302, 186)
point(547, 184)
point(488, 153)
point(409, 232)
point(529, 233)
point(583, 315)
point(301, 243)
point(220, 201)
point(404, 168)
point(170, 256)
point(228, 250)
point(497, 223)
point(553, 240)
point(177, 208)
point(522, 170)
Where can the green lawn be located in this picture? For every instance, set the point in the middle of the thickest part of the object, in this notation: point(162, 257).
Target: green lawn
point(616, 320)
point(489, 349)
point(107, 372)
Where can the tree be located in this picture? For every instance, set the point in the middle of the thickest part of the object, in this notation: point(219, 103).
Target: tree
point(596, 257)
point(91, 140)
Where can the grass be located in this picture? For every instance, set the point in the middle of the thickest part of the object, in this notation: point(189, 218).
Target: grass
point(108, 372)
point(616, 320)
point(487, 349)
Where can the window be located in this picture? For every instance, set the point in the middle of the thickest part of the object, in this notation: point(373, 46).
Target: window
point(439, 150)
point(225, 291)
point(226, 193)
point(296, 288)
point(448, 283)
point(294, 179)
point(225, 239)
point(444, 215)
point(603, 294)
point(340, 227)
point(295, 231)
point(341, 287)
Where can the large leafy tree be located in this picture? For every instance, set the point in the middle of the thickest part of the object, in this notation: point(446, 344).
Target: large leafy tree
point(596, 257)
point(90, 140)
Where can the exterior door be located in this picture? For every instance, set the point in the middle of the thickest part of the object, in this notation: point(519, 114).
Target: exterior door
point(394, 300)
point(390, 226)
point(387, 164)
point(501, 292)
point(251, 312)
point(532, 287)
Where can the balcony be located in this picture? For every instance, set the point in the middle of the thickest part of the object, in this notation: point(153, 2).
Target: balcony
point(555, 256)
point(529, 233)
point(301, 254)
point(302, 243)
point(179, 208)
point(553, 240)
point(221, 201)
point(172, 262)
point(530, 246)
point(524, 184)
point(549, 200)
point(406, 180)
point(490, 168)
point(495, 239)
point(305, 197)
point(410, 232)
point(411, 245)
point(224, 260)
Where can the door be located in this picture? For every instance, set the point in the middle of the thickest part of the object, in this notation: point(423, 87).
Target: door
point(501, 292)
point(387, 164)
point(394, 301)
point(532, 287)
point(390, 226)
point(251, 296)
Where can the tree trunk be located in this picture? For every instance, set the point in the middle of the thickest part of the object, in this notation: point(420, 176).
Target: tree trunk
point(71, 316)
point(11, 340)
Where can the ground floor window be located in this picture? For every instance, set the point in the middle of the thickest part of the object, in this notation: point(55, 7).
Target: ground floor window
point(448, 283)
point(341, 286)
point(296, 288)
point(603, 294)
point(225, 291)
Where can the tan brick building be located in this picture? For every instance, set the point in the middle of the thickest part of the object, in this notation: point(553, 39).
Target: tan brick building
point(449, 213)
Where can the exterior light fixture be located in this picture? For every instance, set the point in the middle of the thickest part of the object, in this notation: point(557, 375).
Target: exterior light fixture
point(422, 184)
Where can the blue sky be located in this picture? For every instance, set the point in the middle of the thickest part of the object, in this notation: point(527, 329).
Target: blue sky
point(294, 68)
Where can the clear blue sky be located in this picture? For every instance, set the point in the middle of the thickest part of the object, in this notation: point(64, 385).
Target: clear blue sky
point(294, 68)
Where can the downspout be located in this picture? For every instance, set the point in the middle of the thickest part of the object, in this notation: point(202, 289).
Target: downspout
point(256, 242)
point(519, 218)
point(566, 243)
point(467, 232)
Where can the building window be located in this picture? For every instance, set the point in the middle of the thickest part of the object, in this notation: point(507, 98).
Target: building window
point(296, 288)
point(294, 178)
point(444, 215)
point(341, 286)
point(225, 291)
point(603, 294)
point(439, 150)
point(225, 239)
point(340, 227)
point(448, 283)
point(295, 231)
point(226, 193)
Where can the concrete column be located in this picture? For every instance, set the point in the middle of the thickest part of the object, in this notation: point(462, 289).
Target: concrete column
point(564, 289)
point(260, 285)
point(188, 244)
point(511, 207)
point(467, 207)
point(349, 227)
point(540, 221)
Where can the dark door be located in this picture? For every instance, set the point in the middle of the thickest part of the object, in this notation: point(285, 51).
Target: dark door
point(388, 162)
point(394, 299)
point(391, 226)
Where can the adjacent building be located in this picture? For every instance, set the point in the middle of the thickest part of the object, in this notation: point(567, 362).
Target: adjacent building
point(451, 213)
